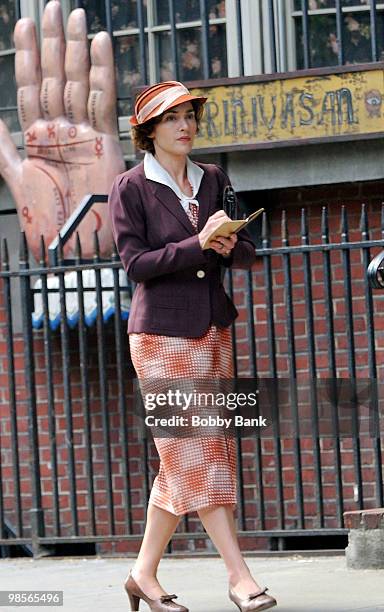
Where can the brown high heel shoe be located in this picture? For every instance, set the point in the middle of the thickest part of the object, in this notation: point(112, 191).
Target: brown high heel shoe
point(163, 604)
point(255, 601)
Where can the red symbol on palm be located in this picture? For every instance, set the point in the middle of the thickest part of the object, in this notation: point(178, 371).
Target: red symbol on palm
point(51, 131)
point(30, 137)
point(25, 213)
point(99, 147)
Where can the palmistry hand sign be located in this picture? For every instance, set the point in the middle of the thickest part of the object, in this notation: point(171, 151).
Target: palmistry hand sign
point(67, 110)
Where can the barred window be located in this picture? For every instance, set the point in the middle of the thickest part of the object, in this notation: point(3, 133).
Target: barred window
point(158, 34)
point(8, 16)
point(323, 42)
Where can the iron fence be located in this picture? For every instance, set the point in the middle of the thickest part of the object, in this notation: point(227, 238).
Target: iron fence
point(74, 468)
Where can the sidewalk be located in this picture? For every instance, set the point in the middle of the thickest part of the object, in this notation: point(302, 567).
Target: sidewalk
point(299, 583)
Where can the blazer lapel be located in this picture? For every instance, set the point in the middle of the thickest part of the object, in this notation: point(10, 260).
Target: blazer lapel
point(170, 200)
point(204, 198)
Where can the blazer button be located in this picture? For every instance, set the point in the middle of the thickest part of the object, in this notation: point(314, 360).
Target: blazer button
point(200, 273)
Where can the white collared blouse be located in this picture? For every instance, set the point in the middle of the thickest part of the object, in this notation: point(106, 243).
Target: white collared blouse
point(154, 171)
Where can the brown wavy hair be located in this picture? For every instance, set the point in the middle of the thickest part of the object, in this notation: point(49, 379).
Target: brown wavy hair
point(140, 133)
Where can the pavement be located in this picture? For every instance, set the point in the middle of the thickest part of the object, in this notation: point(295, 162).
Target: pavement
point(300, 583)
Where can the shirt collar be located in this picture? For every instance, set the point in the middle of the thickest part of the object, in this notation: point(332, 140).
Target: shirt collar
point(154, 171)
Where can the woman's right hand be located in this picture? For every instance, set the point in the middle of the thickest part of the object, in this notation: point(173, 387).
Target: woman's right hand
point(214, 221)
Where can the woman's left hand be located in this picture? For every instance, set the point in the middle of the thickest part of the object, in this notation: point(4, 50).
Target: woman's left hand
point(223, 246)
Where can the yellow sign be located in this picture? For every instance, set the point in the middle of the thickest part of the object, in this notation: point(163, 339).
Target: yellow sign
point(241, 115)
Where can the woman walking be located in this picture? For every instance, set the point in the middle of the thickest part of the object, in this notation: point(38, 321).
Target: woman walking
point(162, 212)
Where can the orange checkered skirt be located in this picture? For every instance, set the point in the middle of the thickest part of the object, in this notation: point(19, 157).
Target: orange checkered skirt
point(194, 472)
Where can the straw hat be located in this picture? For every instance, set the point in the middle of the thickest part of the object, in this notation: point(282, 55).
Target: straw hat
point(158, 98)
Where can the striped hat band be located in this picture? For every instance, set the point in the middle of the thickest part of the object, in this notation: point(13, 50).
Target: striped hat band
point(158, 98)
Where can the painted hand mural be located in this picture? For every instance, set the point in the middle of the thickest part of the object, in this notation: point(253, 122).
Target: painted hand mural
point(66, 97)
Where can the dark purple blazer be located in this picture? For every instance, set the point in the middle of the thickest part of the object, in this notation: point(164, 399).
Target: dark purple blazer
point(179, 290)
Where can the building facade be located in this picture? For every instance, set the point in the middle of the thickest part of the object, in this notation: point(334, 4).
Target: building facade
point(296, 94)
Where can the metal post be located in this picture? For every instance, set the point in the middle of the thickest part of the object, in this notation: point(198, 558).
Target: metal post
point(312, 369)
point(36, 511)
point(65, 349)
point(205, 38)
point(267, 266)
point(85, 390)
point(108, 18)
point(17, 10)
point(239, 37)
point(346, 263)
point(272, 35)
point(373, 20)
point(142, 44)
point(292, 371)
point(48, 358)
point(12, 399)
point(328, 299)
point(305, 25)
point(176, 67)
point(374, 400)
point(339, 29)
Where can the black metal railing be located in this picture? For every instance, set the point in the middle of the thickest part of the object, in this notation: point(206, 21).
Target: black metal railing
point(72, 224)
point(74, 465)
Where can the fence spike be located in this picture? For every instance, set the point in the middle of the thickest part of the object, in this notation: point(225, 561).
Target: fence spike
point(78, 248)
point(5, 256)
point(59, 249)
point(344, 224)
point(304, 226)
point(96, 245)
point(364, 223)
point(114, 253)
point(284, 229)
point(264, 231)
point(23, 251)
point(42, 261)
point(324, 225)
point(382, 220)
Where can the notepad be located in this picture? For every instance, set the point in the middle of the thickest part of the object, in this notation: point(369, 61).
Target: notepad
point(231, 227)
